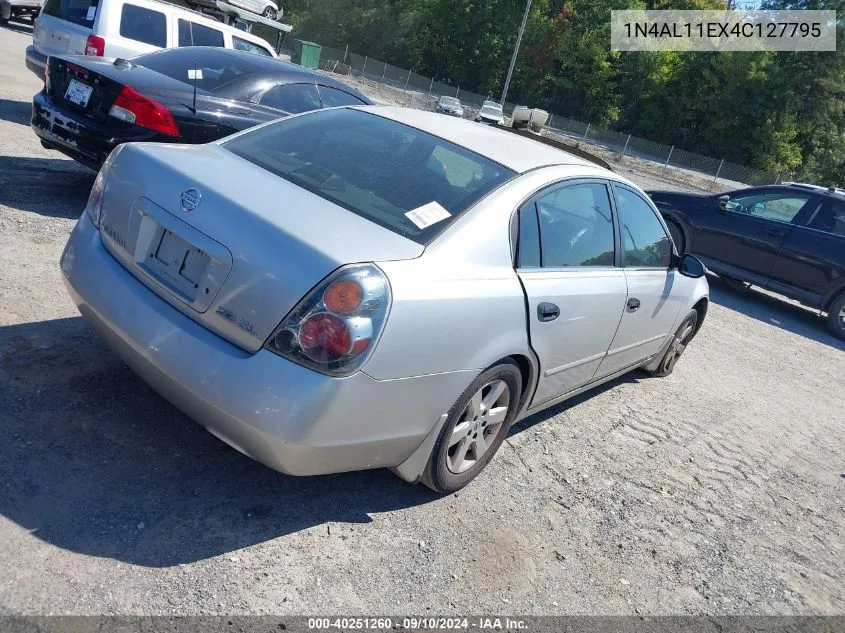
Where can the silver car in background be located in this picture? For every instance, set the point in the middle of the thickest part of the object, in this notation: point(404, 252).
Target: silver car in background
point(450, 105)
point(376, 287)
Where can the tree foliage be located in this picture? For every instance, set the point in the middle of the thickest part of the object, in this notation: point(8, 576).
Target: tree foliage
point(779, 111)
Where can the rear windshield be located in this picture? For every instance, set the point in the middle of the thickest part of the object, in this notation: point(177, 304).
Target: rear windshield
point(80, 12)
point(212, 68)
point(401, 178)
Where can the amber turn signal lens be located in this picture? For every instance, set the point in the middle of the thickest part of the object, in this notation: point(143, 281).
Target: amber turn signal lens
point(343, 297)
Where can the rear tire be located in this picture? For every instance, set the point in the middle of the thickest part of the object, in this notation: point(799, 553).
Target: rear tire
point(836, 316)
point(677, 234)
point(679, 343)
point(475, 428)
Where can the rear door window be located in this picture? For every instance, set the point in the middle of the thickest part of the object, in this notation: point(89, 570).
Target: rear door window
point(292, 98)
point(240, 44)
point(193, 34)
point(143, 25)
point(576, 226)
point(406, 180)
point(80, 12)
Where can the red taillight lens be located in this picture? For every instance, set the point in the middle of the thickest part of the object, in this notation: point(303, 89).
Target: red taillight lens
point(133, 107)
point(335, 327)
point(95, 45)
point(324, 337)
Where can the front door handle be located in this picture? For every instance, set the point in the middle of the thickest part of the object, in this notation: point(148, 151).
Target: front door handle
point(633, 304)
point(775, 232)
point(547, 311)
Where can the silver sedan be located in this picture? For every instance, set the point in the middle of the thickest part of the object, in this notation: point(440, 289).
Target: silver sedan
point(376, 287)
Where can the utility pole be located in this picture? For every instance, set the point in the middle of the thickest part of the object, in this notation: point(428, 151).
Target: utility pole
point(515, 51)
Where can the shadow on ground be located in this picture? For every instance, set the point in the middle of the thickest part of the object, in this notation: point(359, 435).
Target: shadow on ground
point(775, 311)
point(95, 462)
point(54, 187)
point(15, 111)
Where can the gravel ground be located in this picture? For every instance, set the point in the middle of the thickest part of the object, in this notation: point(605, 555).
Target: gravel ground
point(717, 490)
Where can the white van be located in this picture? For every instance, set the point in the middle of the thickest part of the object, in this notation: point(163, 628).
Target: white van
point(126, 28)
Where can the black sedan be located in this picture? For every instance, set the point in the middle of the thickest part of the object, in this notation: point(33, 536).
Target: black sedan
point(182, 95)
point(787, 238)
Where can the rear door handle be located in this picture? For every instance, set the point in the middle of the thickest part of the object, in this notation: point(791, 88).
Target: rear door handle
point(633, 304)
point(547, 311)
point(775, 232)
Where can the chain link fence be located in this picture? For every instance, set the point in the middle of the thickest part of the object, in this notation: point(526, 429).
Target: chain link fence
point(416, 91)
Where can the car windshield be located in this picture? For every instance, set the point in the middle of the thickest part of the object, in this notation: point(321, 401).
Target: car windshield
point(404, 179)
point(212, 68)
point(449, 101)
point(492, 110)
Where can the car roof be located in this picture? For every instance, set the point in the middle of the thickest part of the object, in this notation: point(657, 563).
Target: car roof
point(831, 191)
point(515, 152)
point(262, 67)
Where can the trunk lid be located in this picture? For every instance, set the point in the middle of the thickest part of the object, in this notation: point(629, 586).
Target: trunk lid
point(90, 85)
point(229, 244)
point(63, 27)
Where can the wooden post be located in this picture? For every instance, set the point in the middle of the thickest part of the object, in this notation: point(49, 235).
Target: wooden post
point(364, 69)
point(431, 86)
point(587, 131)
point(407, 80)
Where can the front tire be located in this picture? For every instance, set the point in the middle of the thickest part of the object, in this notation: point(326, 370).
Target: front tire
point(476, 426)
point(836, 317)
point(679, 343)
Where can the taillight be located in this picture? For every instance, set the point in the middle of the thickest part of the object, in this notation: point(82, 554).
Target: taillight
point(133, 107)
point(336, 326)
point(47, 75)
point(95, 199)
point(95, 45)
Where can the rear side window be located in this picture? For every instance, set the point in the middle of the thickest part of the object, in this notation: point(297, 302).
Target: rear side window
point(292, 98)
point(80, 12)
point(143, 25)
point(240, 44)
point(646, 244)
point(406, 180)
point(332, 97)
point(830, 218)
point(193, 34)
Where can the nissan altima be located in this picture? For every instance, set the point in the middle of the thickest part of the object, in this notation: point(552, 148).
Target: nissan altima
point(366, 287)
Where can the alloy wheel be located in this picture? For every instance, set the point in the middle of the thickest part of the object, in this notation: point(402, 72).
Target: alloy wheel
point(678, 345)
point(478, 426)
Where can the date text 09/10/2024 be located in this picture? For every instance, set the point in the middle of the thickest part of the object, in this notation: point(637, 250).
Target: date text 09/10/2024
point(418, 624)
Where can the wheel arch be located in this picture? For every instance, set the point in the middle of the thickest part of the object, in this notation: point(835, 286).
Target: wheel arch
point(701, 307)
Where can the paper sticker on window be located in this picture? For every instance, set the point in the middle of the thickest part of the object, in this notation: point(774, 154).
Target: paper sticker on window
point(89, 16)
point(428, 214)
point(195, 73)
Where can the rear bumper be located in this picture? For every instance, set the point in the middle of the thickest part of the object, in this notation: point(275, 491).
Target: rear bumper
point(290, 418)
point(78, 136)
point(35, 61)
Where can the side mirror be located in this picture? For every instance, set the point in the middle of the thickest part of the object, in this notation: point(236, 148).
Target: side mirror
point(691, 266)
point(723, 202)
